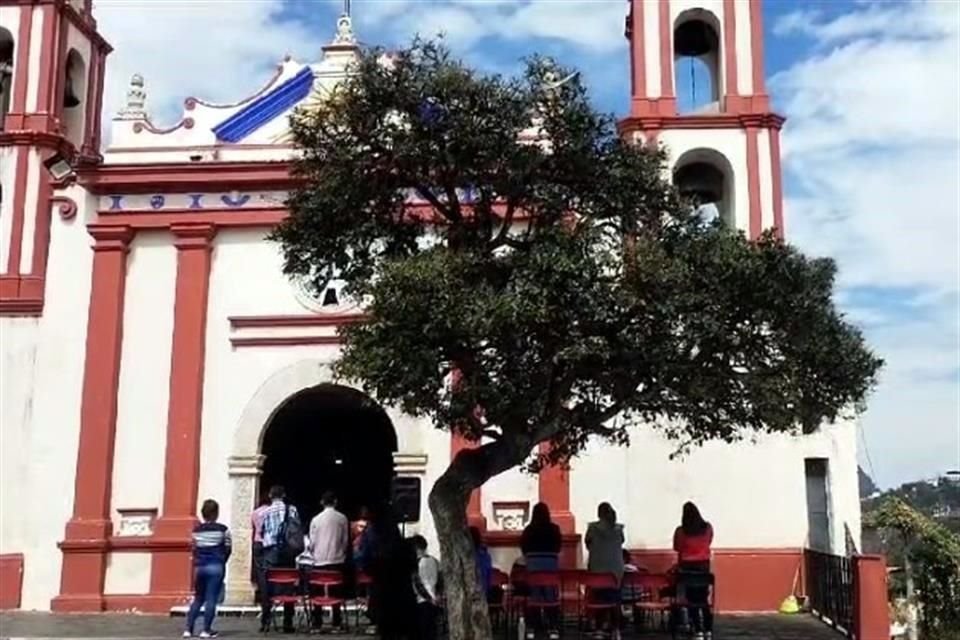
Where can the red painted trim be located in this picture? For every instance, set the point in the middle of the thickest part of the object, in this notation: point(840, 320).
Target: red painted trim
point(90, 103)
point(308, 320)
point(776, 173)
point(666, 51)
point(40, 134)
point(171, 571)
point(638, 53)
point(184, 176)
point(98, 107)
point(19, 210)
point(20, 307)
point(871, 612)
point(753, 182)
point(570, 546)
point(147, 125)
point(11, 580)
point(233, 218)
point(286, 341)
point(191, 102)
point(458, 443)
point(764, 120)
point(730, 51)
point(58, 72)
point(554, 489)
point(756, 45)
point(754, 580)
point(82, 577)
point(22, 74)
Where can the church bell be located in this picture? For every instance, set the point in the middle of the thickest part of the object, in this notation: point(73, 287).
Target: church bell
point(70, 99)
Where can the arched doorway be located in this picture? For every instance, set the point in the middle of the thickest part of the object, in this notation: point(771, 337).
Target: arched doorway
point(329, 437)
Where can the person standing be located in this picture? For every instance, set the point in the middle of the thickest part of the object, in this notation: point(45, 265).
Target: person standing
point(692, 541)
point(256, 567)
point(211, 549)
point(277, 518)
point(426, 584)
point(604, 541)
point(540, 544)
point(329, 541)
point(389, 561)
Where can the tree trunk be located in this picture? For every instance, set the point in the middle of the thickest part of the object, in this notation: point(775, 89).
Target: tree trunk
point(467, 613)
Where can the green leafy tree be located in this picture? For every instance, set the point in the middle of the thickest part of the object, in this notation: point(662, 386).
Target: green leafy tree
point(930, 554)
point(555, 288)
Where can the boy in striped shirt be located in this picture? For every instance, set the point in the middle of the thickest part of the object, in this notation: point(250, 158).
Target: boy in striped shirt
point(211, 549)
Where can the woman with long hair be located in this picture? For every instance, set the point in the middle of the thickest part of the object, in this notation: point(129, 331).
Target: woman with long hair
point(691, 541)
point(540, 544)
point(604, 542)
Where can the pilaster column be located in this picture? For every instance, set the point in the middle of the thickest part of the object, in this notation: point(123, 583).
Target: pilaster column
point(753, 176)
point(171, 569)
point(244, 474)
point(85, 544)
point(554, 486)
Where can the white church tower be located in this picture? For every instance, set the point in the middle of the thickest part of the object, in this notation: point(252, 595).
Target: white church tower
point(51, 82)
point(697, 86)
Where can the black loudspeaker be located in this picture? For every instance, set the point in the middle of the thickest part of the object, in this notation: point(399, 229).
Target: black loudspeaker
point(405, 499)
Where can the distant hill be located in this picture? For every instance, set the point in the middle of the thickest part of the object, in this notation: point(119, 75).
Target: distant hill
point(939, 499)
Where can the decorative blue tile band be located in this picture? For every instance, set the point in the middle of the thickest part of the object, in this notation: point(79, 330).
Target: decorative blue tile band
point(265, 108)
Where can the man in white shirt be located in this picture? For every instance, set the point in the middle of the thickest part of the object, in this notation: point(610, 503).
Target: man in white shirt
point(329, 541)
point(426, 584)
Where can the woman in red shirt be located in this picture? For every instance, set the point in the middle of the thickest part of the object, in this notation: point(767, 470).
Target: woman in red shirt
point(692, 541)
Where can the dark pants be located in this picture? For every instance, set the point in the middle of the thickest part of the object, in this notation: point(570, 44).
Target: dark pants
point(272, 559)
point(698, 597)
point(427, 614)
point(334, 592)
point(207, 585)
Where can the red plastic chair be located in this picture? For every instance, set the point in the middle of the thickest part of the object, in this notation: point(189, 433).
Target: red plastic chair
point(647, 591)
point(363, 585)
point(572, 588)
point(594, 605)
point(540, 584)
point(284, 586)
point(326, 582)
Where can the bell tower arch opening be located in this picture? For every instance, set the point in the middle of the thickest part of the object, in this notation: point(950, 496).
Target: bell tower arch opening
point(6, 72)
point(696, 61)
point(705, 177)
point(329, 437)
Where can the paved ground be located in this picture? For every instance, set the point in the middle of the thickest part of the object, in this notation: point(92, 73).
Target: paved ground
point(111, 626)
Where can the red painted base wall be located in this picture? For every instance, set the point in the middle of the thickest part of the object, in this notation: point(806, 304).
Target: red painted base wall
point(747, 579)
point(11, 580)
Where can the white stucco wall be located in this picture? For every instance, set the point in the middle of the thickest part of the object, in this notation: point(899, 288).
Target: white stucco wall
point(651, 50)
point(40, 387)
point(754, 493)
point(29, 219)
point(36, 44)
point(144, 389)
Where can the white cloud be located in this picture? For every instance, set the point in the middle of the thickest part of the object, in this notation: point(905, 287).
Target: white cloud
point(872, 150)
point(216, 50)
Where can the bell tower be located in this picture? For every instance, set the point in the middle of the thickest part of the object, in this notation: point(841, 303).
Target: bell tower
point(51, 83)
point(698, 87)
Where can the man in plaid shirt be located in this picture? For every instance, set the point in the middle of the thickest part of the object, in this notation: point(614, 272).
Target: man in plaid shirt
point(271, 522)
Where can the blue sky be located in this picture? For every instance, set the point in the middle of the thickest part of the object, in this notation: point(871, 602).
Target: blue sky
point(870, 90)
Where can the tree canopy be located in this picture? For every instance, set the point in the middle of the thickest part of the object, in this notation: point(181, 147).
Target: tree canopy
point(528, 276)
point(554, 267)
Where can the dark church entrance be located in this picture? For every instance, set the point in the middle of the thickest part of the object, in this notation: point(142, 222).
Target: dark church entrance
point(329, 437)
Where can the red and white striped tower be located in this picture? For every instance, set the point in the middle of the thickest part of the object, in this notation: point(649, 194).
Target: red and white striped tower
point(727, 149)
point(51, 61)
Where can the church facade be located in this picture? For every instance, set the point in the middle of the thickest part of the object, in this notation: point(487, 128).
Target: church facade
point(154, 354)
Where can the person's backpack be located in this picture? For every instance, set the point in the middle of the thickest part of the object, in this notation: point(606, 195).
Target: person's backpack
point(290, 536)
